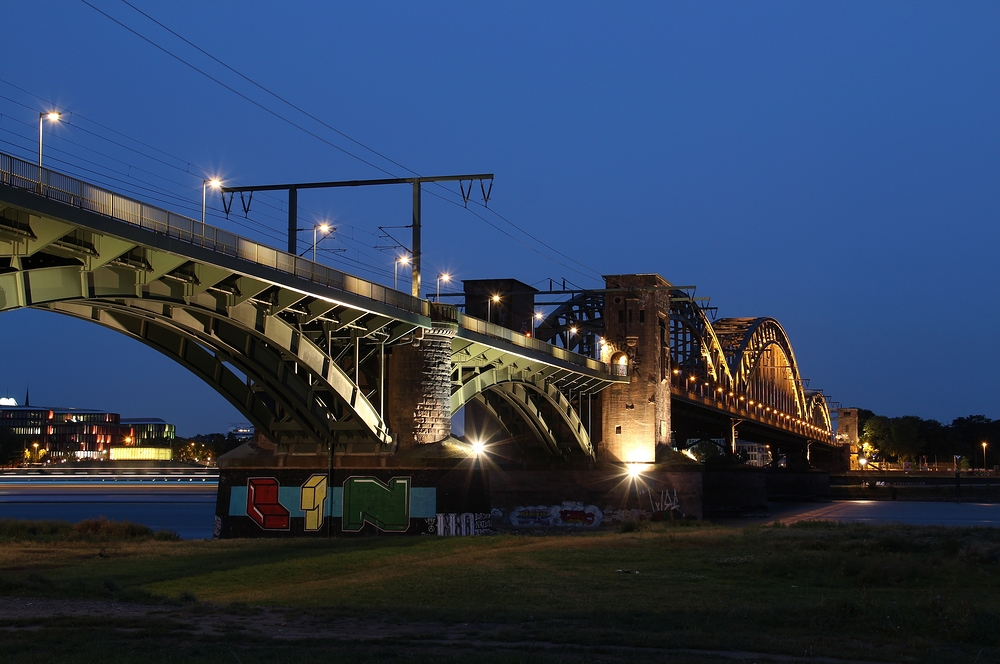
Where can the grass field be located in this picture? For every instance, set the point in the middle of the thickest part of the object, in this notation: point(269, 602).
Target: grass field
point(678, 593)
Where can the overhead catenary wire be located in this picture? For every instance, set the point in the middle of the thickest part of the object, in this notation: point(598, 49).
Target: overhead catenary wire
point(589, 271)
point(181, 165)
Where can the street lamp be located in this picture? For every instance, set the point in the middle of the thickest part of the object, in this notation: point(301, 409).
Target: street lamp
point(984, 456)
point(327, 229)
point(51, 117)
point(402, 260)
point(215, 183)
point(537, 318)
point(489, 307)
point(445, 277)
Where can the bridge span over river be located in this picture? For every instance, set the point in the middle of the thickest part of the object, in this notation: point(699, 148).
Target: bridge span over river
point(334, 368)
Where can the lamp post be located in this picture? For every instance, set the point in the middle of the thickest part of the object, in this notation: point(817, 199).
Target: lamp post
point(327, 229)
point(215, 183)
point(445, 277)
point(489, 307)
point(984, 456)
point(51, 117)
point(402, 260)
point(534, 322)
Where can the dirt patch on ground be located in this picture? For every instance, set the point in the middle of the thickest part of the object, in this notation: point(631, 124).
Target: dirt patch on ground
point(16, 613)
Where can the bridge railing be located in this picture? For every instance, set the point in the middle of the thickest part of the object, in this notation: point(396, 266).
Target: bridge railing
point(21, 174)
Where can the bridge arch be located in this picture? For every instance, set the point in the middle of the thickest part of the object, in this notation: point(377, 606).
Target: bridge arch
point(539, 403)
point(762, 363)
point(290, 389)
point(694, 347)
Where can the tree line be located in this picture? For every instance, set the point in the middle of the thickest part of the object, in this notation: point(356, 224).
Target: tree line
point(912, 438)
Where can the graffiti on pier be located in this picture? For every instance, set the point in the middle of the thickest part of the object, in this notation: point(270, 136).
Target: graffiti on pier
point(312, 500)
point(568, 514)
point(369, 500)
point(387, 505)
point(455, 525)
point(263, 505)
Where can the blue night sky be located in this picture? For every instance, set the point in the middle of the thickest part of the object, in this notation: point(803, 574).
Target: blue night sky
point(833, 165)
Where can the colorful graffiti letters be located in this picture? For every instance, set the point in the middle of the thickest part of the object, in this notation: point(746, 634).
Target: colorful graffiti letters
point(312, 500)
point(263, 506)
point(531, 516)
point(569, 514)
point(385, 506)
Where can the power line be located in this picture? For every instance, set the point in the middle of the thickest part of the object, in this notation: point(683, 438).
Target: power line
point(310, 133)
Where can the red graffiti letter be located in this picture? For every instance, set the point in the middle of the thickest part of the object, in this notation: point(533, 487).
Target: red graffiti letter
point(263, 506)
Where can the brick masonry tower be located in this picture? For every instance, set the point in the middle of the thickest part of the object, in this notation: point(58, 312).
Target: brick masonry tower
point(848, 433)
point(636, 416)
point(419, 384)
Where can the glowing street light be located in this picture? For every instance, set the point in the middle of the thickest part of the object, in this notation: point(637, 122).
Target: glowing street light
point(402, 260)
point(634, 470)
point(326, 229)
point(535, 320)
point(478, 447)
point(984, 456)
point(445, 277)
point(489, 307)
point(51, 117)
point(214, 183)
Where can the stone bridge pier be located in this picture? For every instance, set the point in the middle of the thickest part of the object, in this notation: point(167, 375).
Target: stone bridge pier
point(419, 388)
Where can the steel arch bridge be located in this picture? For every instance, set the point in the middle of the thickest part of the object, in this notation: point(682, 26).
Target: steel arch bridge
point(299, 348)
point(740, 368)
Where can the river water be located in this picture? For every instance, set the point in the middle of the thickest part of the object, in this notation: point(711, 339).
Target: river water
point(184, 504)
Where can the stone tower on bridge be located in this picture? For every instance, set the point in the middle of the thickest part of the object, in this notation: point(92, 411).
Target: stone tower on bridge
point(636, 416)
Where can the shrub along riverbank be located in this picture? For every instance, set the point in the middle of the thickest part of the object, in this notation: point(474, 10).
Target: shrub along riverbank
point(851, 592)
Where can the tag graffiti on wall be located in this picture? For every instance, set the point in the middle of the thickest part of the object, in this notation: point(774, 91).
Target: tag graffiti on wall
point(457, 525)
point(569, 514)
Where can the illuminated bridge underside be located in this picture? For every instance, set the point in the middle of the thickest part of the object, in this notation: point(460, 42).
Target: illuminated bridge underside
point(533, 391)
point(302, 360)
point(290, 388)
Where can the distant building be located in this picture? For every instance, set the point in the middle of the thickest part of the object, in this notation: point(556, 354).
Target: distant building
point(847, 432)
point(753, 454)
point(78, 433)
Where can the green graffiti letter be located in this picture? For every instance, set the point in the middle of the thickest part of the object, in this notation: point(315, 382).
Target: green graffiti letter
point(385, 506)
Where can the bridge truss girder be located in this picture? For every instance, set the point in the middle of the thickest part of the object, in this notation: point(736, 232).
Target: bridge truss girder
point(305, 359)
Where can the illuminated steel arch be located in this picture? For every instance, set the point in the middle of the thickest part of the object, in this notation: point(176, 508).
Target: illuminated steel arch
point(818, 411)
point(762, 363)
point(582, 312)
point(694, 347)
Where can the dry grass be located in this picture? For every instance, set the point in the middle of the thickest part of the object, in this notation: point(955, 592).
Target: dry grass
point(880, 593)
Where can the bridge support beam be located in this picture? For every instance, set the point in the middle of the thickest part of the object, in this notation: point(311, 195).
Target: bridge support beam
point(636, 416)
